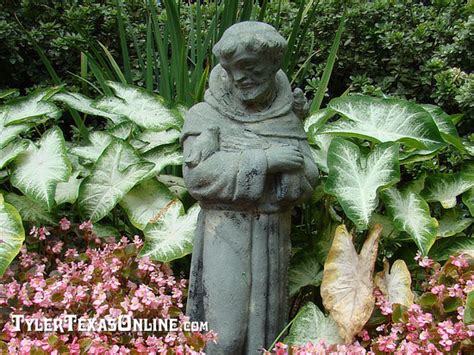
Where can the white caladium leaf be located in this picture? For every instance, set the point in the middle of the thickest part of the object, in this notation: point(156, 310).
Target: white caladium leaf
point(24, 109)
point(355, 179)
point(145, 201)
point(122, 130)
point(311, 325)
point(30, 210)
point(384, 120)
point(155, 139)
point(396, 284)
point(139, 106)
point(175, 184)
point(445, 125)
point(389, 231)
point(67, 192)
point(304, 270)
point(170, 236)
point(37, 171)
point(468, 200)
point(12, 234)
point(99, 141)
point(347, 286)
point(446, 187)
point(164, 156)
point(317, 119)
point(115, 173)
point(444, 248)
point(9, 133)
point(83, 104)
point(8, 92)
point(411, 214)
point(452, 222)
point(11, 151)
point(320, 154)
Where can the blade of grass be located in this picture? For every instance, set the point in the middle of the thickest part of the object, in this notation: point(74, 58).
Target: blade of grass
point(202, 85)
point(86, 82)
point(123, 42)
point(114, 64)
point(99, 76)
point(292, 39)
point(149, 56)
point(164, 76)
point(84, 70)
point(229, 15)
point(318, 98)
point(263, 9)
point(246, 10)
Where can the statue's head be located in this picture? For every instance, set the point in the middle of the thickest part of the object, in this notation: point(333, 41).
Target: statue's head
point(251, 53)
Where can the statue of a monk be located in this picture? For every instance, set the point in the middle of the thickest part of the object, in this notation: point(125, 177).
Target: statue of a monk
point(247, 162)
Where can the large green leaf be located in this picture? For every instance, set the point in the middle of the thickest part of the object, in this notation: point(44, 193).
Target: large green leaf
point(171, 236)
point(355, 179)
point(445, 126)
point(304, 270)
point(145, 201)
point(452, 222)
point(30, 210)
point(446, 247)
point(311, 325)
point(9, 133)
point(469, 310)
point(446, 187)
point(138, 105)
point(11, 151)
point(37, 171)
point(384, 120)
point(83, 104)
point(116, 172)
point(24, 109)
point(12, 234)
point(411, 214)
point(99, 140)
point(164, 156)
point(320, 154)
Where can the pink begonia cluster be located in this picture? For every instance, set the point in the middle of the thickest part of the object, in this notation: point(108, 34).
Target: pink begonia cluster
point(421, 329)
point(108, 280)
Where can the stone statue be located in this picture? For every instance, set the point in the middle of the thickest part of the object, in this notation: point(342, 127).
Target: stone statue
point(247, 162)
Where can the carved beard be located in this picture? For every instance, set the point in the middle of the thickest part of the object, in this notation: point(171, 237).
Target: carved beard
point(254, 94)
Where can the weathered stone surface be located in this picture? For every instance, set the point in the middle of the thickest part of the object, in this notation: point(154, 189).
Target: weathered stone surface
point(247, 162)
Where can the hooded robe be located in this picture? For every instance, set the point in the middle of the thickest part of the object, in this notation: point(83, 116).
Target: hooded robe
point(239, 271)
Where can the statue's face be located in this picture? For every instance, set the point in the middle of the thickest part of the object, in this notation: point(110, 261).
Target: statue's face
point(251, 76)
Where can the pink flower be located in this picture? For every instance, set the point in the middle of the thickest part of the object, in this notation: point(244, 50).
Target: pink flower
point(64, 224)
point(423, 261)
point(86, 226)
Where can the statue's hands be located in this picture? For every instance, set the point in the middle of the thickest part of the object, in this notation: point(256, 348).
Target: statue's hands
point(283, 158)
point(300, 103)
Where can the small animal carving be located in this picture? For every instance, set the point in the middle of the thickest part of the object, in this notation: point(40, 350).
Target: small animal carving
point(206, 144)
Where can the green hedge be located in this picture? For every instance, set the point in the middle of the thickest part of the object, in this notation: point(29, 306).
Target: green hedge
point(416, 50)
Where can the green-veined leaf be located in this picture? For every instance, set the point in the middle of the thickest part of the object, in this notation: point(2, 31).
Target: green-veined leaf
point(66, 192)
point(30, 210)
point(384, 120)
point(164, 156)
point(355, 179)
point(83, 104)
point(145, 201)
point(122, 130)
point(446, 187)
point(452, 223)
point(115, 173)
point(469, 310)
point(320, 154)
point(411, 214)
point(304, 270)
point(446, 247)
point(175, 184)
point(141, 107)
point(99, 140)
point(9, 133)
point(11, 151)
point(171, 236)
point(311, 325)
point(445, 125)
point(37, 171)
point(24, 109)
point(155, 139)
point(468, 200)
point(12, 234)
